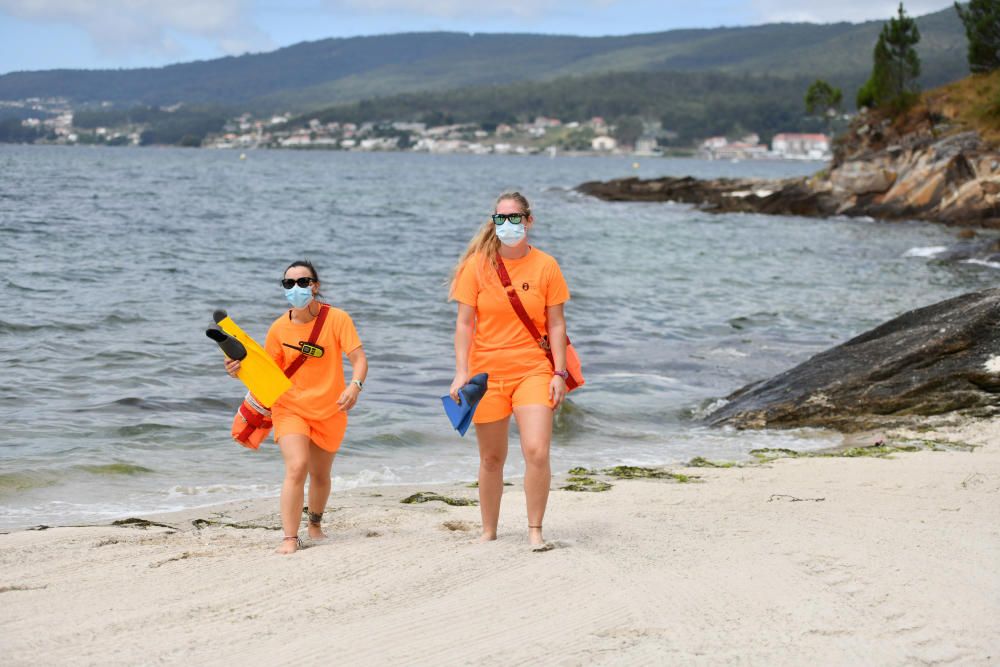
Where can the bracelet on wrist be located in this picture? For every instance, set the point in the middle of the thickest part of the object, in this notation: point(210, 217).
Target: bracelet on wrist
point(359, 384)
point(563, 374)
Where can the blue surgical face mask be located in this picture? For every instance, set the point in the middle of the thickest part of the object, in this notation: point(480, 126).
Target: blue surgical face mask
point(509, 233)
point(299, 297)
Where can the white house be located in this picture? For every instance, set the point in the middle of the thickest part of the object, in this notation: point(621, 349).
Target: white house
point(801, 146)
point(646, 146)
point(719, 148)
point(603, 143)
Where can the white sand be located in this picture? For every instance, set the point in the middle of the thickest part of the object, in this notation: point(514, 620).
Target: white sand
point(881, 562)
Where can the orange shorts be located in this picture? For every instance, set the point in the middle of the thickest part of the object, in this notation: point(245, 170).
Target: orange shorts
point(503, 395)
point(327, 434)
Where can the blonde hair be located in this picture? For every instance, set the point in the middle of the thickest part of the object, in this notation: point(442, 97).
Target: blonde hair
point(486, 243)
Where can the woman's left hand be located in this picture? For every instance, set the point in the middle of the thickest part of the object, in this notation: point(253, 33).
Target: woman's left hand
point(348, 398)
point(557, 391)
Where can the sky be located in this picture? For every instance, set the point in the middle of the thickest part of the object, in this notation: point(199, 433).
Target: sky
point(99, 34)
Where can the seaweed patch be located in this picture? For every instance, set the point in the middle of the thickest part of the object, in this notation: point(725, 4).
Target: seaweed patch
point(586, 484)
point(428, 496)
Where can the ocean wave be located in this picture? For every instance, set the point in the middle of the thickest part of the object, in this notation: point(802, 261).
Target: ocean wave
point(982, 262)
point(26, 328)
point(236, 490)
point(115, 318)
point(707, 408)
point(365, 478)
point(134, 430)
point(14, 483)
point(115, 469)
point(393, 440)
point(196, 404)
point(571, 419)
point(928, 251)
point(121, 358)
point(654, 379)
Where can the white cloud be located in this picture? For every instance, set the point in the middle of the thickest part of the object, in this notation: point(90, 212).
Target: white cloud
point(452, 9)
point(855, 11)
point(126, 27)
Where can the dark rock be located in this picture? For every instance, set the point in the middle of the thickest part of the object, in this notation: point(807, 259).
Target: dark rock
point(929, 361)
point(964, 249)
point(723, 195)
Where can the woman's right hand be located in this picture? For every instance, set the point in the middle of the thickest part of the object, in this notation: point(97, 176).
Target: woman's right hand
point(461, 379)
point(232, 367)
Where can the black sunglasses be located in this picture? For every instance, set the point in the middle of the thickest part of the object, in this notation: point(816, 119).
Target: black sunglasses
point(515, 218)
point(289, 283)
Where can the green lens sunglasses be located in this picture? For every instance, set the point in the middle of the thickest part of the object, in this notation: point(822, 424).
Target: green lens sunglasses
point(515, 218)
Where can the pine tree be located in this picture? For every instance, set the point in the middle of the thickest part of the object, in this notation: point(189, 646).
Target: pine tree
point(822, 98)
point(895, 66)
point(982, 27)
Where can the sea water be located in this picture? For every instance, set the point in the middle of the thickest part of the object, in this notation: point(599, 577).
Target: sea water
point(115, 403)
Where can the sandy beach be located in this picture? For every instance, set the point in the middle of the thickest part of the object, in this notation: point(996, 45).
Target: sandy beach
point(877, 561)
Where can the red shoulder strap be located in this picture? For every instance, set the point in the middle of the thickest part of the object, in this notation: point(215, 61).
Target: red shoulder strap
point(313, 337)
point(515, 301)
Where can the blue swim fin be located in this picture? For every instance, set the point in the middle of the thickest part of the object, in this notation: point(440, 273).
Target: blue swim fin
point(460, 414)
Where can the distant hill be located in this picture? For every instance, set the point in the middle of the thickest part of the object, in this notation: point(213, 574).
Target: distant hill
point(313, 75)
point(691, 104)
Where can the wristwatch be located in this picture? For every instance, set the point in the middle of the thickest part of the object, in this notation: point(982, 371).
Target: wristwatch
point(563, 374)
point(359, 383)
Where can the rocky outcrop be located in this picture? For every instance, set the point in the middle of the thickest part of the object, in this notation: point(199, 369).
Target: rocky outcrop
point(723, 195)
point(929, 361)
point(953, 179)
point(919, 168)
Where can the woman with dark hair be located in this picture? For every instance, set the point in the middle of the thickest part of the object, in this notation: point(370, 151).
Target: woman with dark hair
point(310, 418)
point(490, 337)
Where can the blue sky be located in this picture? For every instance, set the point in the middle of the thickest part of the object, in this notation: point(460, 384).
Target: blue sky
point(51, 34)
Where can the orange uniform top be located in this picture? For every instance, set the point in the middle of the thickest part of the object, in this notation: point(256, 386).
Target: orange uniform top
point(319, 382)
point(502, 345)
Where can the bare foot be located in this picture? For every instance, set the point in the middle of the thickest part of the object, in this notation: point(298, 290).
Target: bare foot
point(487, 537)
point(535, 536)
point(289, 545)
point(316, 532)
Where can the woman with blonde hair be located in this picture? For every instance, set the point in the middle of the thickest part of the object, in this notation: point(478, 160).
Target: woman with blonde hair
point(490, 337)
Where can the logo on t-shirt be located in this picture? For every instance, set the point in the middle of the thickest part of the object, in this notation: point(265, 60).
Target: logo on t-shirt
point(524, 286)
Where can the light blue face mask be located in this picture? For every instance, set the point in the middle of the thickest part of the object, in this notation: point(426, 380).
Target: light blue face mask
point(299, 297)
point(509, 233)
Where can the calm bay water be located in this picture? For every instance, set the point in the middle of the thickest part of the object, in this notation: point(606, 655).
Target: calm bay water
point(113, 261)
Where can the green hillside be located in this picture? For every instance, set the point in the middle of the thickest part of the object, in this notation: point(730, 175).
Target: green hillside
point(692, 104)
point(316, 74)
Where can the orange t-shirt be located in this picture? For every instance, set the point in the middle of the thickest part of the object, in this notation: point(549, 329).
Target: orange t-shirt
point(502, 345)
point(318, 383)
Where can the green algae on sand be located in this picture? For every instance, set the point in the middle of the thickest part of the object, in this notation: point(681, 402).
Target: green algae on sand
point(429, 496)
point(585, 484)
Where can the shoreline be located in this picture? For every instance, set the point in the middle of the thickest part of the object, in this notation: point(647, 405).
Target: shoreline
point(559, 478)
point(852, 445)
point(676, 155)
point(828, 559)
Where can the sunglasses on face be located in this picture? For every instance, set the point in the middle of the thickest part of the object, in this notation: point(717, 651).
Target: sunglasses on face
point(515, 218)
point(289, 283)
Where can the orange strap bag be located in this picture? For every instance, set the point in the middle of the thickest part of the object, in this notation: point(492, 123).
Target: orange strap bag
point(252, 422)
point(575, 379)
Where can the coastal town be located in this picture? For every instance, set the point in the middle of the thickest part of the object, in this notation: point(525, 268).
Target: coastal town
point(543, 135)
